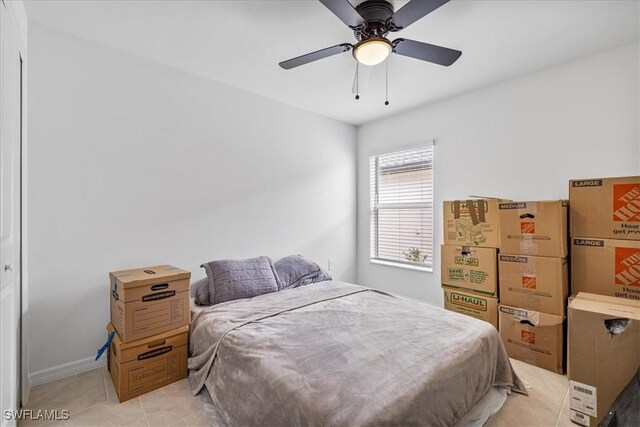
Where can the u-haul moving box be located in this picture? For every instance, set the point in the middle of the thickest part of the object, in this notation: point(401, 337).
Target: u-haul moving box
point(533, 337)
point(606, 208)
point(472, 223)
point(142, 366)
point(604, 353)
point(606, 267)
point(149, 301)
point(535, 283)
point(534, 228)
point(472, 304)
point(470, 267)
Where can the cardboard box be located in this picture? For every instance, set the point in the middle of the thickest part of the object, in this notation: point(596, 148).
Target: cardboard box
point(472, 304)
point(604, 349)
point(533, 337)
point(534, 228)
point(606, 267)
point(470, 267)
point(149, 301)
point(535, 283)
point(607, 208)
point(472, 223)
point(139, 367)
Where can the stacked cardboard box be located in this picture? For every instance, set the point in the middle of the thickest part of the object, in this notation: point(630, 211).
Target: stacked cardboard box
point(604, 350)
point(605, 236)
point(533, 281)
point(604, 313)
point(150, 318)
point(469, 258)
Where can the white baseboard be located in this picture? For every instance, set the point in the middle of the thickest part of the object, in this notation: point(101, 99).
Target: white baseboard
point(67, 370)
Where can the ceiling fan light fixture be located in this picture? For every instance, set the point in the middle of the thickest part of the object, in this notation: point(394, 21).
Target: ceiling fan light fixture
point(372, 51)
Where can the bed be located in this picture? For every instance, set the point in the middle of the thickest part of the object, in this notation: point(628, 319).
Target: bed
point(335, 353)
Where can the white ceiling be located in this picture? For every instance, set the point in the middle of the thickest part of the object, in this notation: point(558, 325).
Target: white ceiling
point(241, 42)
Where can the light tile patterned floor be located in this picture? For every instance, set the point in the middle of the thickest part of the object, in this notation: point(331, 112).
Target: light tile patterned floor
point(91, 400)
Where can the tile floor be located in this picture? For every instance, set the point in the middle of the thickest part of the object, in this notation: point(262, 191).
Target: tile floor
point(91, 401)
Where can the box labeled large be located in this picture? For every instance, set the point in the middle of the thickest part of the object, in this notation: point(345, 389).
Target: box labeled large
point(472, 304)
point(606, 267)
point(533, 337)
point(139, 367)
point(604, 353)
point(534, 282)
point(149, 301)
point(605, 208)
point(470, 267)
point(472, 223)
point(534, 228)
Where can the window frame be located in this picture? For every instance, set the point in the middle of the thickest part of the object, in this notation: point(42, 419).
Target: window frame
point(374, 208)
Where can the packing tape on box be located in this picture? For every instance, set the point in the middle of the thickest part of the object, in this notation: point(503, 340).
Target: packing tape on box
point(106, 345)
point(472, 212)
point(477, 215)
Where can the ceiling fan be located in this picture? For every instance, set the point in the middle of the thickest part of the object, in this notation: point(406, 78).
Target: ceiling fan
point(371, 22)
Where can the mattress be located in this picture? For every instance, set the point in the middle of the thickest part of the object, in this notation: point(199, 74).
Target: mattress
point(335, 353)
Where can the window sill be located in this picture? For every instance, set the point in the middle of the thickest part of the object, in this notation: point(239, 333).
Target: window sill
point(401, 265)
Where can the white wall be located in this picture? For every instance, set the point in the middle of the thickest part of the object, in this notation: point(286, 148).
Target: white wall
point(132, 164)
point(521, 139)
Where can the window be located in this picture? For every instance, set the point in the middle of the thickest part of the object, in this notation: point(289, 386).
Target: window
point(401, 208)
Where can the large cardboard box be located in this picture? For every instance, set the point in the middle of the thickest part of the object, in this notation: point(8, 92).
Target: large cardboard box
point(472, 223)
point(139, 367)
point(534, 228)
point(149, 301)
point(533, 337)
point(606, 208)
point(472, 304)
point(535, 283)
point(606, 267)
point(470, 267)
point(604, 352)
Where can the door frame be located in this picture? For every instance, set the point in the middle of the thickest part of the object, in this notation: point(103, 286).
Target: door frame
point(24, 386)
point(16, 11)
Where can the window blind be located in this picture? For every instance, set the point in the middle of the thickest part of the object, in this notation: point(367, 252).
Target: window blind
point(401, 206)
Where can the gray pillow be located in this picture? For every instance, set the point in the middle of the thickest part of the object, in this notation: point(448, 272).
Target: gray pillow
point(295, 271)
point(243, 278)
point(201, 288)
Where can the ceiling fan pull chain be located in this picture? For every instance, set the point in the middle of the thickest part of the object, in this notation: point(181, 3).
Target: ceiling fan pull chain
point(386, 83)
point(357, 80)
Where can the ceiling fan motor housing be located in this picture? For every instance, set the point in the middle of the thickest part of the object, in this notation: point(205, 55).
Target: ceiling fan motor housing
point(377, 15)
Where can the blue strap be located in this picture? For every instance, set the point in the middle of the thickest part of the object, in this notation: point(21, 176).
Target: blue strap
point(106, 345)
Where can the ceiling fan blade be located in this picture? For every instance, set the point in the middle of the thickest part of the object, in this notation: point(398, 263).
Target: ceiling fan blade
point(343, 10)
point(413, 11)
point(314, 56)
point(426, 52)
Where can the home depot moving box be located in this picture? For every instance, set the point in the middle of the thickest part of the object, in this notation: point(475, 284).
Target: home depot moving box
point(606, 267)
point(535, 283)
point(141, 366)
point(534, 228)
point(472, 304)
point(470, 267)
point(604, 352)
point(148, 301)
point(533, 337)
point(472, 222)
point(606, 208)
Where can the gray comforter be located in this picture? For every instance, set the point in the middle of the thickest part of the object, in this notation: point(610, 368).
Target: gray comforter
point(334, 353)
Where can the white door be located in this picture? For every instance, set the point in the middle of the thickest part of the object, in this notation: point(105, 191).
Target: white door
point(10, 147)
